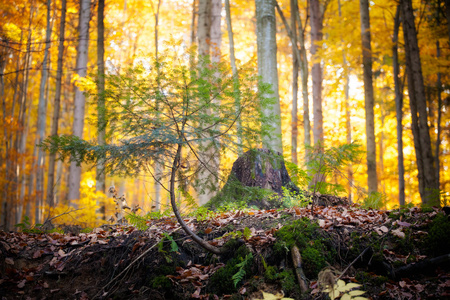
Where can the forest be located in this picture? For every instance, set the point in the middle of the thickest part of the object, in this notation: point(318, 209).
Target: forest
point(127, 120)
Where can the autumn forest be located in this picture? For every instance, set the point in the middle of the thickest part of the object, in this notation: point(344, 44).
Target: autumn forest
point(365, 81)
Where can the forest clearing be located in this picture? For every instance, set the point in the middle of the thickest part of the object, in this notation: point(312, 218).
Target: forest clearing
point(215, 149)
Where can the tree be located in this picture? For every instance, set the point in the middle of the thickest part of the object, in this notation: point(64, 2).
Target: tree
point(41, 122)
point(163, 118)
point(79, 102)
point(399, 111)
point(419, 116)
point(372, 180)
point(56, 105)
point(237, 93)
point(267, 69)
point(317, 10)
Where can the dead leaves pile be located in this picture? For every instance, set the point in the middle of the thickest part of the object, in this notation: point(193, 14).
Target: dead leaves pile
point(26, 257)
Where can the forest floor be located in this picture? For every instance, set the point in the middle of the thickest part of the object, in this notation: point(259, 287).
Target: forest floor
point(399, 254)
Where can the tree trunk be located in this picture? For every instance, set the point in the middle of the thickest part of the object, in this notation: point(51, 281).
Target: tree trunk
point(204, 27)
point(267, 68)
point(372, 181)
point(439, 117)
point(100, 185)
point(79, 102)
point(295, 70)
point(56, 106)
point(303, 63)
point(348, 125)
point(419, 116)
point(399, 110)
point(237, 93)
point(317, 10)
point(41, 122)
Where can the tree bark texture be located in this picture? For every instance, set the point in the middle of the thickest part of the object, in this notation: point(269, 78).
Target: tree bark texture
point(372, 180)
point(79, 102)
point(399, 110)
point(267, 68)
point(419, 116)
point(56, 105)
point(316, 10)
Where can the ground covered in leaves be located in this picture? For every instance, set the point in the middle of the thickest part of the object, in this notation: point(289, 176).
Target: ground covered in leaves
point(399, 254)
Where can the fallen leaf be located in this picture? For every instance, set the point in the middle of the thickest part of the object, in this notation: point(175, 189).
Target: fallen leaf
point(398, 232)
point(21, 284)
point(9, 261)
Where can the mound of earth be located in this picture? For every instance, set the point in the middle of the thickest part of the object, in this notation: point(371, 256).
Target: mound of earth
point(400, 254)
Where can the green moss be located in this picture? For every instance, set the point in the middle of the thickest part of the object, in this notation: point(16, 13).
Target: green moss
point(315, 249)
point(161, 283)
point(221, 281)
point(288, 281)
point(438, 241)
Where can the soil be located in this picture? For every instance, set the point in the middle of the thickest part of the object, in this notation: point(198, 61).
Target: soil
point(376, 249)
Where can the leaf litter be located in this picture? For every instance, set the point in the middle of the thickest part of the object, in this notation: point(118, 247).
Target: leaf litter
point(87, 265)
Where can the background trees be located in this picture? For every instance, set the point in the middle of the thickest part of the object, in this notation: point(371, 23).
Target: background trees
point(129, 35)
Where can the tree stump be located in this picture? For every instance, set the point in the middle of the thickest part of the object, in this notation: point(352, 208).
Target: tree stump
point(257, 179)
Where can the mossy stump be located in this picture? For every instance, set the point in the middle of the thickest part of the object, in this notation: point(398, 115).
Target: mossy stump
point(257, 179)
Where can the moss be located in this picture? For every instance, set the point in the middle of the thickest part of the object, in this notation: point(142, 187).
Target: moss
point(221, 281)
point(315, 249)
point(161, 283)
point(437, 241)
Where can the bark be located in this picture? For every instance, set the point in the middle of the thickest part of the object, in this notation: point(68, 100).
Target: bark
point(204, 27)
point(194, 13)
point(348, 125)
point(399, 110)
point(158, 167)
point(304, 73)
point(447, 16)
point(372, 180)
point(79, 102)
point(316, 11)
point(56, 106)
point(292, 33)
point(419, 116)
point(100, 185)
point(267, 68)
point(237, 94)
point(41, 122)
point(439, 118)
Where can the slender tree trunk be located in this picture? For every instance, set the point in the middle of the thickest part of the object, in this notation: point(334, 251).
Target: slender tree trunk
point(348, 125)
point(41, 123)
point(399, 110)
point(372, 180)
point(295, 70)
point(204, 27)
point(267, 68)
point(237, 93)
point(419, 116)
point(101, 108)
point(317, 10)
point(439, 117)
point(79, 102)
point(158, 167)
point(56, 106)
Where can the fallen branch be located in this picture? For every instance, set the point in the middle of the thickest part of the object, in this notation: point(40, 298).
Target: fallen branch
point(297, 260)
point(422, 266)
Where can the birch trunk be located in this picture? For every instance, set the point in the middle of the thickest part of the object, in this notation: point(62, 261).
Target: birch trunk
point(267, 68)
point(372, 180)
point(79, 102)
point(295, 70)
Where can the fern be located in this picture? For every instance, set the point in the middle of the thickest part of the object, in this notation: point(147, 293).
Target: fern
point(241, 273)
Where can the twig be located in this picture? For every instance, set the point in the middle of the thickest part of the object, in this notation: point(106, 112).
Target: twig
point(129, 266)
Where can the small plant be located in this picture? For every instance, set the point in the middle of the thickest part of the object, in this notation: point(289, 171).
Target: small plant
point(242, 265)
point(347, 291)
point(291, 199)
point(375, 200)
point(26, 226)
point(173, 246)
